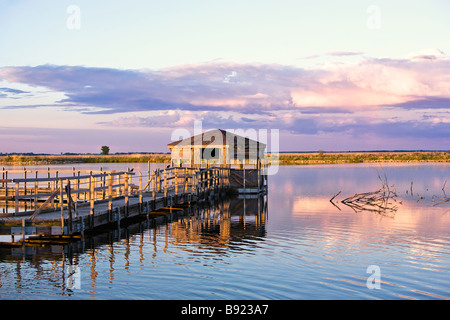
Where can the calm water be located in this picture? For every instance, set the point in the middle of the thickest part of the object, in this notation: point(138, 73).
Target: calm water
point(294, 244)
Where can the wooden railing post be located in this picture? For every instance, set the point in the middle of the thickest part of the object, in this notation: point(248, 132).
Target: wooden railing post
point(203, 178)
point(176, 181)
point(103, 185)
point(61, 201)
point(91, 196)
point(148, 174)
point(36, 186)
point(258, 171)
point(208, 181)
point(6, 190)
point(69, 206)
point(158, 181)
point(141, 197)
point(126, 194)
point(186, 177)
point(154, 185)
point(165, 183)
point(118, 188)
point(16, 199)
point(25, 182)
point(110, 191)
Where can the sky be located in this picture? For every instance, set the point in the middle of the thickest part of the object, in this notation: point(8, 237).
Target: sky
point(328, 75)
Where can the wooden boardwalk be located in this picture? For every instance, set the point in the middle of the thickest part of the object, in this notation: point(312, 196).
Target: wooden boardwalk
point(72, 206)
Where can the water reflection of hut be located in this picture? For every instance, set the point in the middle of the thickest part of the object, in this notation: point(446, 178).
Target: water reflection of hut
point(245, 157)
point(227, 224)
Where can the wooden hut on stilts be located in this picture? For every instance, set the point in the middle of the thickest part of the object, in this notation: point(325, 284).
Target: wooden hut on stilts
point(243, 156)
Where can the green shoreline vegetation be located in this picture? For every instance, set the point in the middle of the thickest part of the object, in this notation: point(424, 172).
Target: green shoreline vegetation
point(21, 159)
point(294, 158)
point(363, 157)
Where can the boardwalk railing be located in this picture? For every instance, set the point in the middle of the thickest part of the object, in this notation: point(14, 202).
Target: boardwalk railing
point(59, 206)
point(34, 195)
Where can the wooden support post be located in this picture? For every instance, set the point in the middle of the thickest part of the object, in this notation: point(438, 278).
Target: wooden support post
point(69, 206)
point(54, 187)
point(25, 182)
point(204, 182)
point(197, 183)
point(258, 172)
point(158, 180)
point(126, 194)
point(266, 176)
point(110, 202)
point(103, 185)
point(165, 183)
point(244, 183)
point(153, 186)
point(78, 185)
point(91, 198)
point(61, 203)
point(186, 180)
point(149, 173)
point(6, 189)
point(36, 186)
point(120, 189)
point(208, 177)
point(141, 197)
point(16, 199)
point(62, 224)
point(176, 181)
point(94, 189)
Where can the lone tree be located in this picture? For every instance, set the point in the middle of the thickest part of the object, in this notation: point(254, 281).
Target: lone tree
point(105, 150)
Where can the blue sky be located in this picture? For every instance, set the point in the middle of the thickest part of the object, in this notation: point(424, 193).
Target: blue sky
point(330, 75)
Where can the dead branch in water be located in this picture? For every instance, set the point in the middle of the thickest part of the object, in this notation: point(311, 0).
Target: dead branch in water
point(444, 198)
point(331, 200)
point(382, 201)
point(335, 196)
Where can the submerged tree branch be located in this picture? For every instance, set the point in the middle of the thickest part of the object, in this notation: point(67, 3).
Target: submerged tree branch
point(382, 201)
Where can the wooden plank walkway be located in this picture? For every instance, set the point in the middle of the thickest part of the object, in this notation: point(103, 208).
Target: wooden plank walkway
point(72, 206)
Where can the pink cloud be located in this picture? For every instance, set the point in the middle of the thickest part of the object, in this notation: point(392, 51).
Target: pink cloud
point(371, 96)
point(377, 82)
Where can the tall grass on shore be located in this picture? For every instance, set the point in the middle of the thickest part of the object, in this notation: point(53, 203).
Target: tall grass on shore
point(360, 157)
point(67, 159)
point(298, 158)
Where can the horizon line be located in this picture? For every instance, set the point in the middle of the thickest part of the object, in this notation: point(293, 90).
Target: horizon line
point(2, 154)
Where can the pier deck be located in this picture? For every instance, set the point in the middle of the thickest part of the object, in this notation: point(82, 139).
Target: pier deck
point(72, 206)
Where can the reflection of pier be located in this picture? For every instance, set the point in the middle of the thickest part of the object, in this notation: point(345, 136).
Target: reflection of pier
point(214, 227)
point(228, 222)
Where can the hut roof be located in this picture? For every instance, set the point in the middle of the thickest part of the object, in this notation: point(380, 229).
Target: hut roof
point(214, 138)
